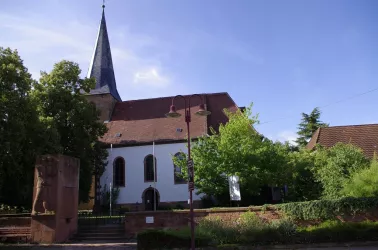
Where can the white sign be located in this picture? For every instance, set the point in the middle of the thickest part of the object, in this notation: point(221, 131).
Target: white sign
point(233, 184)
point(149, 220)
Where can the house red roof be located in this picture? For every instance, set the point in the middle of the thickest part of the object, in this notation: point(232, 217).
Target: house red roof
point(143, 121)
point(362, 136)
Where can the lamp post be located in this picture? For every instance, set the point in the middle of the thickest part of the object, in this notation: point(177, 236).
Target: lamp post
point(173, 114)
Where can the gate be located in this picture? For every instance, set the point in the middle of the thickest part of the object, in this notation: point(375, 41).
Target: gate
point(89, 218)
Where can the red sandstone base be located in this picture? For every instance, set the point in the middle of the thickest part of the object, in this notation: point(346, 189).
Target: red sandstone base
point(43, 229)
point(60, 199)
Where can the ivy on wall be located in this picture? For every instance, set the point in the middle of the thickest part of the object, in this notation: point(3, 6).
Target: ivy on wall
point(327, 209)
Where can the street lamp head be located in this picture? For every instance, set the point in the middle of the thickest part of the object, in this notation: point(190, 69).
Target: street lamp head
point(202, 112)
point(172, 112)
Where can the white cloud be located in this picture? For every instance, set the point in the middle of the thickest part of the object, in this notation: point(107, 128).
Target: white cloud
point(287, 135)
point(151, 77)
point(42, 43)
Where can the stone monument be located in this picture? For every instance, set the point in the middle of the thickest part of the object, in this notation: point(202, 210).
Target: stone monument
point(55, 198)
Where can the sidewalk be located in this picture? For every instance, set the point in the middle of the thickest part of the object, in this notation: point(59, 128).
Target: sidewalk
point(350, 245)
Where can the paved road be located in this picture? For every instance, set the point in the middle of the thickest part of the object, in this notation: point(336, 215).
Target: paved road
point(338, 248)
point(356, 246)
point(369, 246)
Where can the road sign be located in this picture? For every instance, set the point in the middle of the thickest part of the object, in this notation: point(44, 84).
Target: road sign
point(190, 170)
point(190, 163)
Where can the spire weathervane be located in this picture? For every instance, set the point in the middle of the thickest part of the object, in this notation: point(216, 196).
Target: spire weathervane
point(101, 65)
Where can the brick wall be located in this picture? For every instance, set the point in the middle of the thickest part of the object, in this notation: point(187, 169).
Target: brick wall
point(138, 221)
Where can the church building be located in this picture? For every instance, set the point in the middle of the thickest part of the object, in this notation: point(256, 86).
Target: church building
point(141, 139)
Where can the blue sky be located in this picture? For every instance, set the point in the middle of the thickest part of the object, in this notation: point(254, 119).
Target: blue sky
point(286, 57)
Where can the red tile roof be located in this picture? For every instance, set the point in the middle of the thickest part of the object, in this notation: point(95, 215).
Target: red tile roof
point(143, 121)
point(362, 136)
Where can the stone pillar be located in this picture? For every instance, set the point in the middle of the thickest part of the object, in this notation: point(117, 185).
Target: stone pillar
point(55, 198)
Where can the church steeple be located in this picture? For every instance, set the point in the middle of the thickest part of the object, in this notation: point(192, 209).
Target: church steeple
point(101, 66)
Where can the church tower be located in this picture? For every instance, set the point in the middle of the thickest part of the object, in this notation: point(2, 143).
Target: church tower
point(105, 93)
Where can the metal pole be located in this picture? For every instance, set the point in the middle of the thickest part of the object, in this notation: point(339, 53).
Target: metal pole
point(187, 119)
point(153, 161)
point(190, 186)
point(110, 187)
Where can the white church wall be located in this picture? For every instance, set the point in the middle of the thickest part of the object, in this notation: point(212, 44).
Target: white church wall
point(134, 173)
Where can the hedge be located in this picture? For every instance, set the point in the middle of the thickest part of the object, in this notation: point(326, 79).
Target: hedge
point(337, 231)
point(327, 209)
point(332, 231)
point(328, 231)
point(166, 239)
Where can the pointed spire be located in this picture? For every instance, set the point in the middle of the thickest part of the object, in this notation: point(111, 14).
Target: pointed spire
point(101, 66)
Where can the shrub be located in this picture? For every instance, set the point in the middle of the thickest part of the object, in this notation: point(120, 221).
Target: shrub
point(253, 229)
point(5, 209)
point(213, 231)
point(166, 239)
point(249, 228)
point(327, 209)
point(336, 165)
point(220, 231)
point(285, 227)
point(164, 207)
point(337, 231)
point(123, 210)
point(363, 183)
point(250, 219)
point(207, 201)
point(179, 207)
point(105, 196)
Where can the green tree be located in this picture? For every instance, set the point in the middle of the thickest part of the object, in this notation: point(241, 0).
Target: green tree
point(237, 149)
point(335, 166)
point(309, 124)
point(363, 183)
point(302, 184)
point(75, 119)
point(22, 134)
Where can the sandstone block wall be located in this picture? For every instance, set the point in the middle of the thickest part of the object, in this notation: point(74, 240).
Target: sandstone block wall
point(138, 221)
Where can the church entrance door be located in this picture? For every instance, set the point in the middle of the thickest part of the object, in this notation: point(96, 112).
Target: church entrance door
point(149, 201)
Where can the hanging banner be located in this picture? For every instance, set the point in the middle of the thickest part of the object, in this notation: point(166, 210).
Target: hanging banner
point(233, 184)
point(190, 175)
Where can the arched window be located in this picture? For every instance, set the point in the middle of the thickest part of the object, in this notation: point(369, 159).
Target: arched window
point(177, 170)
point(119, 172)
point(149, 169)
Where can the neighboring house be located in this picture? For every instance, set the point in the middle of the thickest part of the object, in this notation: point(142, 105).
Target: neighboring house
point(362, 136)
point(134, 126)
